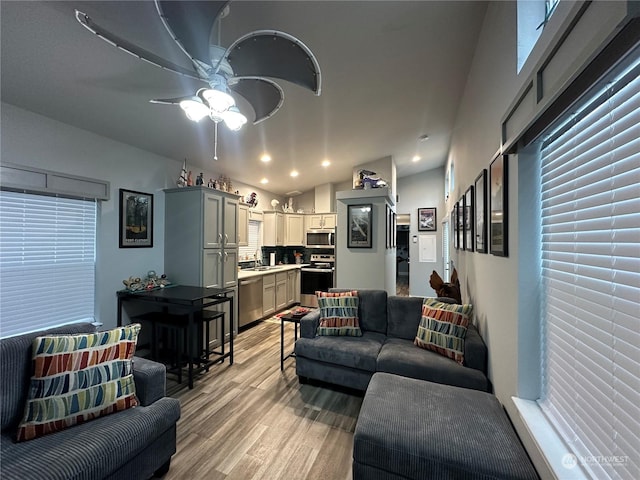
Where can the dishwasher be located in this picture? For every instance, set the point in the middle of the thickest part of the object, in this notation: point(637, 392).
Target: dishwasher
point(250, 301)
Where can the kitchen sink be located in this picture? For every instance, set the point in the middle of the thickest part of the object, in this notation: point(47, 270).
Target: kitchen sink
point(266, 267)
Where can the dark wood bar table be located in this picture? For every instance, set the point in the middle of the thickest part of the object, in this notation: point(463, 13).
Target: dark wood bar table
point(189, 300)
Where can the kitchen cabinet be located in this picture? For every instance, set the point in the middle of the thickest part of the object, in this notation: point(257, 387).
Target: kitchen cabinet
point(318, 221)
point(268, 294)
point(243, 225)
point(293, 230)
point(281, 290)
point(273, 229)
point(201, 240)
point(293, 286)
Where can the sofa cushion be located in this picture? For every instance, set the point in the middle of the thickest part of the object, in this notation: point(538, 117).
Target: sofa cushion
point(90, 450)
point(443, 328)
point(15, 371)
point(404, 314)
point(354, 352)
point(372, 309)
point(77, 378)
point(338, 313)
point(402, 357)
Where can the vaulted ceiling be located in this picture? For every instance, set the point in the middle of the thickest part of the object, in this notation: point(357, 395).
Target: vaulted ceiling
point(392, 71)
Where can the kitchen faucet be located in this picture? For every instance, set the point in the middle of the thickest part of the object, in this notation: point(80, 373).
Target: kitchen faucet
point(257, 262)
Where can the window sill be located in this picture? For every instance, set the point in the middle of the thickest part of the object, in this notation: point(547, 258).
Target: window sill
point(556, 454)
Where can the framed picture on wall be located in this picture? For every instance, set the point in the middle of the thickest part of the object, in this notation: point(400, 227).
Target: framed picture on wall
point(481, 211)
point(427, 219)
point(460, 220)
point(454, 225)
point(468, 219)
point(387, 233)
point(498, 201)
point(359, 233)
point(136, 219)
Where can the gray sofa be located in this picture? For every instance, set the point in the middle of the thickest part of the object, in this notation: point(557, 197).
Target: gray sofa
point(132, 444)
point(389, 325)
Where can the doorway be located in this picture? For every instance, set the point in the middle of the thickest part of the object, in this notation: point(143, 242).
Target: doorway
point(402, 254)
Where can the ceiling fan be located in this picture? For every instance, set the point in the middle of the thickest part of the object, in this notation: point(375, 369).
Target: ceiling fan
point(244, 68)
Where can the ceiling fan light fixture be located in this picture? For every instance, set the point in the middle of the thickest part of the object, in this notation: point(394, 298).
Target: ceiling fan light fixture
point(195, 110)
point(218, 100)
point(234, 119)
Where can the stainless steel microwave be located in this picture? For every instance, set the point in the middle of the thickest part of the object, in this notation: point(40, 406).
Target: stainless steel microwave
point(321, 238)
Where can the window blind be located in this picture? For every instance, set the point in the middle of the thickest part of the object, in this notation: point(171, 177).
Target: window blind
point(247, 252)
point(590, 191)
point(47, 261)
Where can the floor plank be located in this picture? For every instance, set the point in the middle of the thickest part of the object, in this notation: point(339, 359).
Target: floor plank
point(252, 421)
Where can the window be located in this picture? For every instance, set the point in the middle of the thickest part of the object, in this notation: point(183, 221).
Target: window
point(591, 282)
point(533, 15)
point(47, 261)
point(247, 252)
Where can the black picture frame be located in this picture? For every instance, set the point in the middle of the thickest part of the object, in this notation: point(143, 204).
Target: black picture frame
point(388, 221)
point(481, 211)
point(359, 231)
point(460, 222)
point(468, 220)
point(498, 203)
point(394, 230)
point(454, 225)
point(136, 219)
point(427, 219)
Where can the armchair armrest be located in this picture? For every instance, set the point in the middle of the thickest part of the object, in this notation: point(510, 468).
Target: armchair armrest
point(151, 380)
point(309, 324)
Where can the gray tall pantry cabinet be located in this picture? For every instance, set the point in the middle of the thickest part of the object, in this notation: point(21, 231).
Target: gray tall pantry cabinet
point(201, 243)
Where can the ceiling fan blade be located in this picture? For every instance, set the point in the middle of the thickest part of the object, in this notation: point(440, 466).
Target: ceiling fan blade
point(190, 24)
point(264, 96)
point(171, 101)
point(270, 53)
point(132, 49)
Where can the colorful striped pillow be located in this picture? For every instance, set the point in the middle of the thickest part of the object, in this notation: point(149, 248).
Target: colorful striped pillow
point(339, 314)
point(443, 327)
point(78, 378)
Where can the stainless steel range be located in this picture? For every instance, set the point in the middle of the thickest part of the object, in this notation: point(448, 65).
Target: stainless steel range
point(318, 276)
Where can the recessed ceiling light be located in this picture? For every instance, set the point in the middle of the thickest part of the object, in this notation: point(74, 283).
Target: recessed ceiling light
point(415, 158)
point(264, 181)
point(424, 137)
point(294, 173)
point(265, 158)
point(326, 163)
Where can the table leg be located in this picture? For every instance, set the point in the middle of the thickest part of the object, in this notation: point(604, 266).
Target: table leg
point(231, 320)
point(281, 344)
point(119, 312)
point(190, 342)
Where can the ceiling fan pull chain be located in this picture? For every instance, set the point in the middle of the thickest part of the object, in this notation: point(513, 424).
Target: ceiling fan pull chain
point(215, 141)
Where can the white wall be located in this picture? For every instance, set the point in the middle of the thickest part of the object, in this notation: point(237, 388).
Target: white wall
point(33, 140)
point(502, 288)
point(422, 190)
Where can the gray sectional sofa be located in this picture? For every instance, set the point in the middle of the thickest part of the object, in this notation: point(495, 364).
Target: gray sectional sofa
point(389, 325)
point(131, 444)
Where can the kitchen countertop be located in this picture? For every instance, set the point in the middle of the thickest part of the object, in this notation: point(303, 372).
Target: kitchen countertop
point(250, 273)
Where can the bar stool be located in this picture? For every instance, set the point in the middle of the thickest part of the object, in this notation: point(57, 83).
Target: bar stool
point(172, 329)
point(206, 317)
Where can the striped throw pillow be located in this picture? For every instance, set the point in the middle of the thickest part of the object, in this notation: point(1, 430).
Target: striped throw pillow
point(339, 314)
point(78, 378)
point(443, 327)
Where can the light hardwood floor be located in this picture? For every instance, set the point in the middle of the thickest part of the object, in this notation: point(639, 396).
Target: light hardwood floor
point(252, 421)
